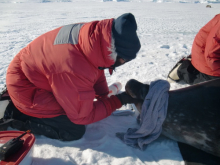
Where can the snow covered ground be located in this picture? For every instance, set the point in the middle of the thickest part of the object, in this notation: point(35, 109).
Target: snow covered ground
point(166, 31)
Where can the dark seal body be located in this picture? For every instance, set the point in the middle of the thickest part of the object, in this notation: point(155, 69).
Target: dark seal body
point(193, 114)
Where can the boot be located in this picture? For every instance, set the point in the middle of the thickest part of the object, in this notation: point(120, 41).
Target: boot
point(4, 103)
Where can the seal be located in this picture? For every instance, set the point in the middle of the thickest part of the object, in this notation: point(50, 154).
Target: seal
point(193, 114)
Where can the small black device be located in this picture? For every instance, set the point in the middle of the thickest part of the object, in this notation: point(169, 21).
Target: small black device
point(11, 146)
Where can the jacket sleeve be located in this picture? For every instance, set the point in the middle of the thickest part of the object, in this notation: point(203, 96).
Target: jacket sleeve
point(101, 109)
point(207, 42)
point(101, 86)
point(212, 49)
point(78, 104)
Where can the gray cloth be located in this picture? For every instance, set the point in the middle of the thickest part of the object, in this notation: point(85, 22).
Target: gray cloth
point(153, 114)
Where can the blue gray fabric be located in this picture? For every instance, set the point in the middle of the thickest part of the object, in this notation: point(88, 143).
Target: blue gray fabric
point(68, 34)
point(152, 116)
point(124, 33)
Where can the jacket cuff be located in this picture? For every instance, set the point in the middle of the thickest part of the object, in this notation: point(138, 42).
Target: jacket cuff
point(105, 96)
point(111, 104)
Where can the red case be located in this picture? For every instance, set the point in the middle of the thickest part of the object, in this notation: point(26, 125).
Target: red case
point(16, 158)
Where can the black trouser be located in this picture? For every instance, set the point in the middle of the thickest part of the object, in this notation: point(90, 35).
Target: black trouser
point(59, 127)
point(189, 74)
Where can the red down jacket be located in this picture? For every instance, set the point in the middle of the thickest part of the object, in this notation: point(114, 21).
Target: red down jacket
point(206, 48)
point(57, 74)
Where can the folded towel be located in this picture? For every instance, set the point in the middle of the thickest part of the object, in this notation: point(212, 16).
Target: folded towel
point(153, 113)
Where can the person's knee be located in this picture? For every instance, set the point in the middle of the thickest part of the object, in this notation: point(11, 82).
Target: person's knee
point(72, 134)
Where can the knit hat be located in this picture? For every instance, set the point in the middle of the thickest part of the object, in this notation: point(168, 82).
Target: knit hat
point(127, 43)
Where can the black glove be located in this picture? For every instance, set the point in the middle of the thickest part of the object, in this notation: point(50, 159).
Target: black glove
point(126, 99)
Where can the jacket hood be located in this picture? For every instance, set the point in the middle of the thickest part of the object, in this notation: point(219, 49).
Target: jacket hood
point(96, 43)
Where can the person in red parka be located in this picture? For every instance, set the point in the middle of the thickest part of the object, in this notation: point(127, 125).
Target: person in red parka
point(54, 80)
point(204, 62)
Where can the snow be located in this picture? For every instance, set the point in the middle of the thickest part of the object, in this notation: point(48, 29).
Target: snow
point(166, 32)
point(157, 1)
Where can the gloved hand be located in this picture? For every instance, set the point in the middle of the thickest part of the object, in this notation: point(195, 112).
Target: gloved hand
point(126, 99)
